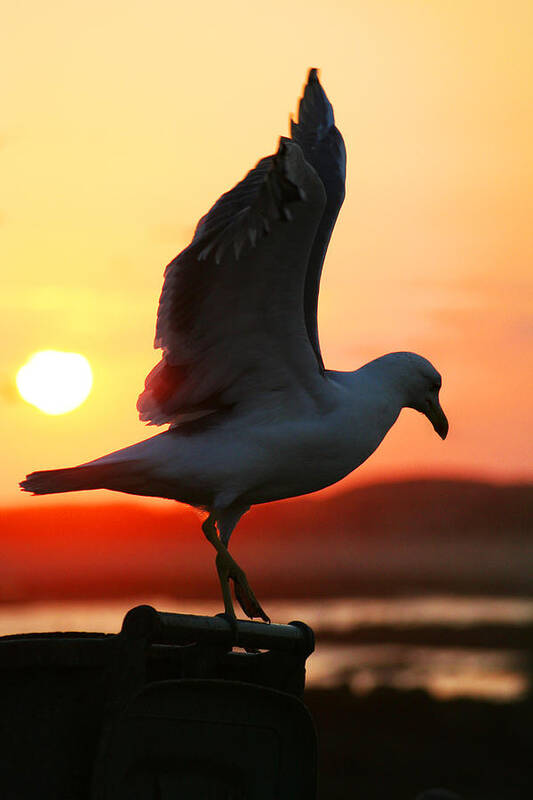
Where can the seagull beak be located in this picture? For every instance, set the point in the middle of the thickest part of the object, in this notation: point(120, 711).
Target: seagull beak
point(437, 417)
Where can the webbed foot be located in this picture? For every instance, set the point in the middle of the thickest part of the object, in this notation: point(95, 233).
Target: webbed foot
point(248, 601)
point(228, 568)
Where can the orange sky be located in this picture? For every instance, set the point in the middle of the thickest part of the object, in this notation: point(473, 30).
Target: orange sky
point(123, 122)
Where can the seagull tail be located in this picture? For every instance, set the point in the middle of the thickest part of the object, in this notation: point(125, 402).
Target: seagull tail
point(71, 479)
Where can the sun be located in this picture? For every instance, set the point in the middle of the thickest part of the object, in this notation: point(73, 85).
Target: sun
point(55, 382)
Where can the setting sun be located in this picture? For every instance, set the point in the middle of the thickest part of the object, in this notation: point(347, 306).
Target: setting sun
point(55, 382)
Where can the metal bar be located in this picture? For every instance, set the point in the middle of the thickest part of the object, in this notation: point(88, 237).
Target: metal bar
point(165, 628)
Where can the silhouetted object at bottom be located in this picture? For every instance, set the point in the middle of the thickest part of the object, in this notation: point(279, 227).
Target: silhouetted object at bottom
point(165, 709)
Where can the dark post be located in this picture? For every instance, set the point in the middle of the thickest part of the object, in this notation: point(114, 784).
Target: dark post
point(168, 708)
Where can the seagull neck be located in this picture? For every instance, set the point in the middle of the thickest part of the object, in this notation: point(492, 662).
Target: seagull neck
point(388, 378)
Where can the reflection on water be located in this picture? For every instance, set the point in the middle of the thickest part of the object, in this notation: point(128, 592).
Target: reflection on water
point(498, 675)
point(489, 674)
point(343, 614)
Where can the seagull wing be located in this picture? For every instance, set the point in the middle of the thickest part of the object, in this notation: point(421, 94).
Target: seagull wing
point(323, 148)
point(231, 320)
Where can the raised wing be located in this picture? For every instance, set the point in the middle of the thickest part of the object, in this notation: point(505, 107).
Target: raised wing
point(231, 314)
point(323, 148)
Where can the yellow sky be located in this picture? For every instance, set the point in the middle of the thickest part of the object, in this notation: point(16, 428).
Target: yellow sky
point(122, 122)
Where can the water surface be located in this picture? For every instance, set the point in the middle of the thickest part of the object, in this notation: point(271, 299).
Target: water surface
point(444, 671)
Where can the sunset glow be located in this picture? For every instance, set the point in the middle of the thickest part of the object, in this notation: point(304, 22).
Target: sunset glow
point(123, 123)
point(55, 382)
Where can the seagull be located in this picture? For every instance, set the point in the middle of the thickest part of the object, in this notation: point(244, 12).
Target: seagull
point(253, 414)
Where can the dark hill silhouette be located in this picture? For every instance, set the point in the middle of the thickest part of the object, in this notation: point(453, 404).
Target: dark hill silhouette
point(425, 507)
point(441, 506)
point(402, 536)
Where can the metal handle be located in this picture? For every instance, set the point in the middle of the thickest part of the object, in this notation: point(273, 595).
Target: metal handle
point(162, 627)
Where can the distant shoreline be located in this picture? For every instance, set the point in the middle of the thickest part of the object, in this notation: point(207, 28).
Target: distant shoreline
point(381, 540)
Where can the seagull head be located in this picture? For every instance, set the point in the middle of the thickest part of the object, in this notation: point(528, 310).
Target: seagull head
point(419, 383)
point(423, 387)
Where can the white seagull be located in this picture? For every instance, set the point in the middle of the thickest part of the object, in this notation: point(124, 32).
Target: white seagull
point(254, 415)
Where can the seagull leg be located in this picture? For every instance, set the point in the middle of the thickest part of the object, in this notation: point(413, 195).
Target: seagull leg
point(211, 534)
point(228, 568)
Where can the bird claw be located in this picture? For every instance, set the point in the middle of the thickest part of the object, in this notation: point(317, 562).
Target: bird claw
point(248, 601)
point(227, 569)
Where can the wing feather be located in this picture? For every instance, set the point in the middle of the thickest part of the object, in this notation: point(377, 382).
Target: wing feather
point(323, 148)
point(231, 318)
